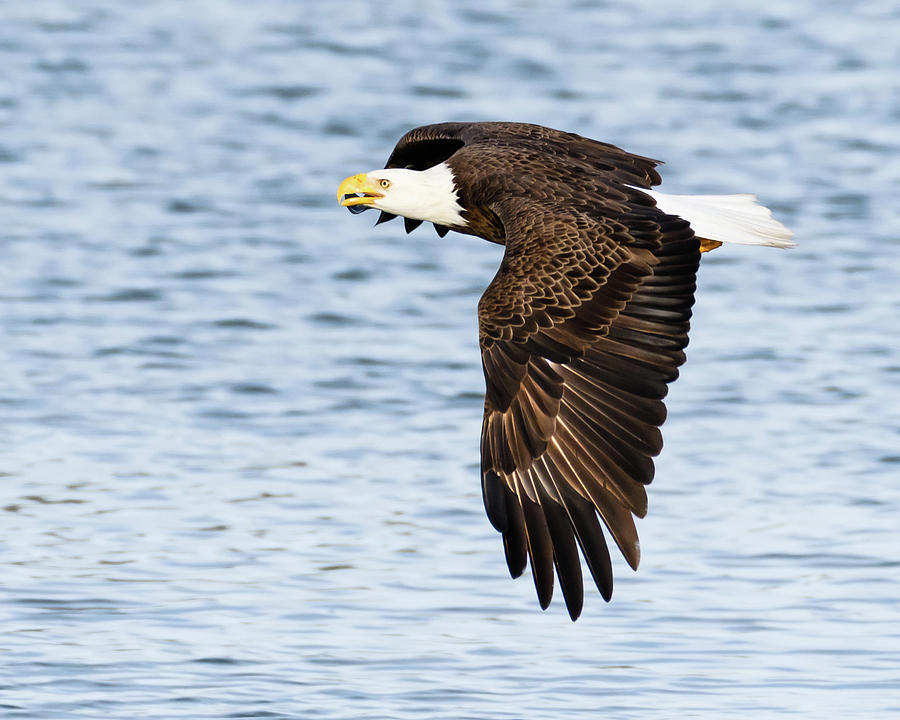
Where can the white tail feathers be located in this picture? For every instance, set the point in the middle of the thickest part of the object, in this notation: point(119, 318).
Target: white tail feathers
point(726, 218)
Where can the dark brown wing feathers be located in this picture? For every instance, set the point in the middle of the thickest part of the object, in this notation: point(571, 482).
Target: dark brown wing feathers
point(581, 331)
point(572, 423)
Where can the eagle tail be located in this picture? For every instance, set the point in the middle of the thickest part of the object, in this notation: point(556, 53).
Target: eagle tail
point(719, 219)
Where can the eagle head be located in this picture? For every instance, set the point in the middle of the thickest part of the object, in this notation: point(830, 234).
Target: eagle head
point(430, 195)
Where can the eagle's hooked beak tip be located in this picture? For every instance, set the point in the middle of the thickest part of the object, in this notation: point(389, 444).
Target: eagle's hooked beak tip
point(358, 193)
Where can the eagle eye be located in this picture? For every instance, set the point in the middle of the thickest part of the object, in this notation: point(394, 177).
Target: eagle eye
point(385, 183)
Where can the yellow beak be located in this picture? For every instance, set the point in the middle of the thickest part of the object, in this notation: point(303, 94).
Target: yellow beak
point(358, 190)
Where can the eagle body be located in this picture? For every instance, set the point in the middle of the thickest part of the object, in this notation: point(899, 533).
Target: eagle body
point(581, 330)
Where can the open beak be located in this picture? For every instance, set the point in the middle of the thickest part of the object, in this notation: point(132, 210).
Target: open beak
point(357, 193)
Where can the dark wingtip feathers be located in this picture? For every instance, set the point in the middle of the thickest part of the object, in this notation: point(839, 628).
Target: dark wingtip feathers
point(540, 550)
point(565, 556)
point(493, 493)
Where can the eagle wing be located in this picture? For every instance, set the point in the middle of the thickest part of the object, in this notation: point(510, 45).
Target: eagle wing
point(428, 145)
point(580, 330)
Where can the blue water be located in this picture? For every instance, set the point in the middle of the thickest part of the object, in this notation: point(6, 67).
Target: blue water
point(239, 466)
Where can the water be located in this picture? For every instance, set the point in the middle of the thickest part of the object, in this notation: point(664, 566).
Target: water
point(239, 459)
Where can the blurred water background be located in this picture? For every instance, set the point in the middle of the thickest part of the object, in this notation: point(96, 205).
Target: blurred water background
point(239, 468)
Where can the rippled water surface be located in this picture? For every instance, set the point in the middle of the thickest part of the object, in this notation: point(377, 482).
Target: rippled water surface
point(240, 426)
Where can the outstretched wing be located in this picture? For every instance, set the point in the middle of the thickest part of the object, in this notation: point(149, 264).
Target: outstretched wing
point(581, 329)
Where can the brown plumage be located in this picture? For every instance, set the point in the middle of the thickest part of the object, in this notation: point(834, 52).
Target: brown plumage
point(581, 330)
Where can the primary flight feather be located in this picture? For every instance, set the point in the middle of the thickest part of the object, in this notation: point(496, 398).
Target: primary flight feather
point(581, 329)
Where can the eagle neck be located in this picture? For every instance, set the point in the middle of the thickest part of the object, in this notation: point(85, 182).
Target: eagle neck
point(440, 202)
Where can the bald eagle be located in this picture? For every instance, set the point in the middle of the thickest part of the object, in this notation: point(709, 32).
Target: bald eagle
point(581, 329)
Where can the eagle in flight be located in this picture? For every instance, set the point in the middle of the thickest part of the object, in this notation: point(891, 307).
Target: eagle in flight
point(581, 329)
